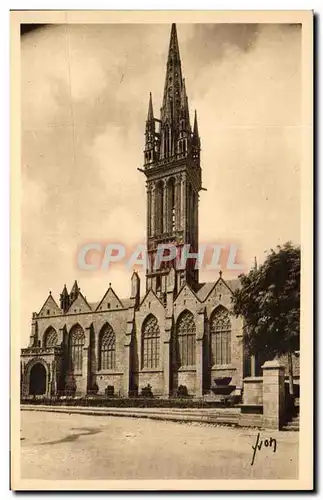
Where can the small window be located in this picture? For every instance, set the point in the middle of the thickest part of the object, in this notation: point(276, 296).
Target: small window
point(109, 305)
point(48, 311)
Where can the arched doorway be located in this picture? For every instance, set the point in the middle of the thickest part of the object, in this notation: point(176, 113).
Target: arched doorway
point(37, 379)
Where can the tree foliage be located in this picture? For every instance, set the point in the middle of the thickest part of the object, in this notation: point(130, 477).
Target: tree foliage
point(269, 301)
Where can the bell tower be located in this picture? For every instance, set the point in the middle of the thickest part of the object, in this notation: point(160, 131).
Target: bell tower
point(173, 173)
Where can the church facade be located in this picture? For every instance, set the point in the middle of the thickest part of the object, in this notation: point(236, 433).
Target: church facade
point(171, 332)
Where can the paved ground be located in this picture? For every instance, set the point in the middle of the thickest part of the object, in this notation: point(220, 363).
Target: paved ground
point(63, 446)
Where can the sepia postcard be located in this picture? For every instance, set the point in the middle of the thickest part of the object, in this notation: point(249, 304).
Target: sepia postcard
point(162, 250)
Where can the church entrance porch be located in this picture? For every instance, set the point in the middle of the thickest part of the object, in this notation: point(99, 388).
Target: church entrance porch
point(37, 380)
point(40, 371)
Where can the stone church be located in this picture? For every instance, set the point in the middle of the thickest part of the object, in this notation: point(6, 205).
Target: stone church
point(171, 332)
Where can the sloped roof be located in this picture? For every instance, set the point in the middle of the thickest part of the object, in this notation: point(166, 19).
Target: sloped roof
point(205, 288)
point(94, 305)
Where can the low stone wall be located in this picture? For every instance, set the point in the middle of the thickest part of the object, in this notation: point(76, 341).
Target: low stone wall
point(251, 420)
point(223, 416)
point(253, 391)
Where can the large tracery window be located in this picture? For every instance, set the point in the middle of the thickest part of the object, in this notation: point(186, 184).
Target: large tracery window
point(186, 332)
point(150, 343)
point(107, 343)
point(76, 345)
point(220, 337)
point(50, 337)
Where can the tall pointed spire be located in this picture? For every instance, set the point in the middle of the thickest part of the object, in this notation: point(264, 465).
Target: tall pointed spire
point(196, 143)
point(150, 149)
point(173, 172)
point(65, 299)
point(173, 43)
point(173, 81)
point(150, 115)
point(74, 292)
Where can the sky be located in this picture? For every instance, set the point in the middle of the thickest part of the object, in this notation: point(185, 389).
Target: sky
point(84, 101)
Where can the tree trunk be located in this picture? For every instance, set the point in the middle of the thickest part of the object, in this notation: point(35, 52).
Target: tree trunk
point(290, 374)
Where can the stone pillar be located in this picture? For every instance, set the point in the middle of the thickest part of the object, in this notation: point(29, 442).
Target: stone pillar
point(273, 394)
point(53, 391)
point(34, 331)
point(61, 335)
point(126, 370)
point(127, 357)
point(166, 391)
point(199, 355)
point(82, 382)
point(252, 365)
point(199, 368)
point(49, 378)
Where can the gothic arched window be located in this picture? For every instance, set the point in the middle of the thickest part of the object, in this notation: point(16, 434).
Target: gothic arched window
point(50, 337)
point(186, 332)
point(220, 336)
point(76, 345)
point(107, 348)
point(150, 342)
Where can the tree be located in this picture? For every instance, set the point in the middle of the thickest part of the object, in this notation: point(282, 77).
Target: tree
point(269, 301)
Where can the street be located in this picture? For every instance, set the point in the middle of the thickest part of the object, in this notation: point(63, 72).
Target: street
point(63, 446)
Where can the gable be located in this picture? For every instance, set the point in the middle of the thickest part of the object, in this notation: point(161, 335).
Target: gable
point(150, 299)
point(219, 290)
point(79, 305)
point(186, 294)
point(50, 308)
point(110, 301)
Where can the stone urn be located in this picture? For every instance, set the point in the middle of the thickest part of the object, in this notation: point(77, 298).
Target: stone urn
point(222, 387)
point(221, 381)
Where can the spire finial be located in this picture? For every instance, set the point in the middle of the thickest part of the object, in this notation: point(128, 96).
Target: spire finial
point(220, 273)
point(150, 115)
point(173, 80)
point(110, 285)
